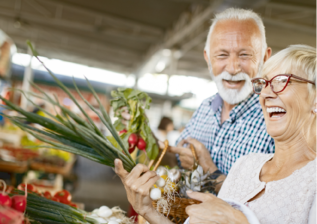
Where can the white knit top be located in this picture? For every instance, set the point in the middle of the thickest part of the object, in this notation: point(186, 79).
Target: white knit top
point(286, 201)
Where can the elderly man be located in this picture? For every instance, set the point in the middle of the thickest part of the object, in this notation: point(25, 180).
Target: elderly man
point(225, 126)
point(229, 124)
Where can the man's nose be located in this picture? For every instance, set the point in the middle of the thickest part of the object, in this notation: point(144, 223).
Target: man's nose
point(233, 66)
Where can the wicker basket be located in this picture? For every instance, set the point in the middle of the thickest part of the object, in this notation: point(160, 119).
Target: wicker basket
point(177, 213)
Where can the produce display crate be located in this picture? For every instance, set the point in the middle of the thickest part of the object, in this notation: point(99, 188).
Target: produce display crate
point(11, 137)
point(63, 170)
point(13, 167)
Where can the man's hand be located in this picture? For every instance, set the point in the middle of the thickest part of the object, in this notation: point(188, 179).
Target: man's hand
point(137, 185)
point(213, 210)
point(186, 156)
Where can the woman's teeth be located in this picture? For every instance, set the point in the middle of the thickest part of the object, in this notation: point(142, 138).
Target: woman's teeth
point(275, 111)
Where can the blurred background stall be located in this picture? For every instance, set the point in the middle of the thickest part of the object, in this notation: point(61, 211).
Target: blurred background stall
point(155, 46)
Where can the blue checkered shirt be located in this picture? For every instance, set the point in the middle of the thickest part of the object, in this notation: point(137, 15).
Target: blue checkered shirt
point(242, 133)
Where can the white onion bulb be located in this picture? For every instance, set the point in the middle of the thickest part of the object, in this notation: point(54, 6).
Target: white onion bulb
point(160, 182)
point(161, 171)
point(101, 220)
point(155, 194)
point(174, 175)
point(113, 222)
point(104, 212)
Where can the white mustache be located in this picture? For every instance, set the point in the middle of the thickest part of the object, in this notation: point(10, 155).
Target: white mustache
point(238, 77)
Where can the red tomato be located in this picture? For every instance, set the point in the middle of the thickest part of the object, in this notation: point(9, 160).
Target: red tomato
point(47, 195)
point(64, 196)
point(30, 188)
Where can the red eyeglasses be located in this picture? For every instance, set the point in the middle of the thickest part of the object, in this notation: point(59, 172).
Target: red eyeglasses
point(278, 83)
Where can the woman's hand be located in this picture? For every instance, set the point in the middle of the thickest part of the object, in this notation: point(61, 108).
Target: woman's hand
point(137, 185)
point(213, 210)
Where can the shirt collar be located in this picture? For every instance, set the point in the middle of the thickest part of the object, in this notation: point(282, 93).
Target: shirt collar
point(238, 110)
point(216, 102)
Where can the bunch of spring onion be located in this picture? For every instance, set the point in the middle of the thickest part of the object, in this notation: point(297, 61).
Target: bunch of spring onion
point(42, 210)
point(70, 132)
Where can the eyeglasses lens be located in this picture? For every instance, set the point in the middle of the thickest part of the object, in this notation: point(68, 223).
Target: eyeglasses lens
point(258, 85)
point(279, 83)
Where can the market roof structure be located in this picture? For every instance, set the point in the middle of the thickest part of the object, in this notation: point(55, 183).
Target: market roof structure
point(141, 36)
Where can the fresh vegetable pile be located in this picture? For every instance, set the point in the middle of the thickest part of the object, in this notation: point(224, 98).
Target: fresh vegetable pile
point(137, 133)
point(11, 208)
point(62, 196)
point(17, 154)
point(114, 215)
point(27, 205)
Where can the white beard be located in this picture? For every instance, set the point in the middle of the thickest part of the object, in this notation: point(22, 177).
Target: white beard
point(234, 96)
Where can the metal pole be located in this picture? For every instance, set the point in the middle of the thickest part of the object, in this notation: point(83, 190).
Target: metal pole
point(27, 78)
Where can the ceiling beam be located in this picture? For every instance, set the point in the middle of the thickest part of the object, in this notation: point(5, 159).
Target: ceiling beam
point(290, 25)
point(73, 50)
point(106, 17)
point(194, 42)
point(183, 27)
point(290, 7)
point(66, 37)
point(76, 25)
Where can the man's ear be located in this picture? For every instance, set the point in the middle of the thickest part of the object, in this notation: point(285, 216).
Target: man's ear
point(207, 60)
point(268, 54)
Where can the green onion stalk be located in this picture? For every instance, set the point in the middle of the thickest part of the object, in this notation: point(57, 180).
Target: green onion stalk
point(42, 210)
point(69, 132)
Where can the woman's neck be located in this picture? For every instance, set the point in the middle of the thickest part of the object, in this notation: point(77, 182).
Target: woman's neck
point(292, 154)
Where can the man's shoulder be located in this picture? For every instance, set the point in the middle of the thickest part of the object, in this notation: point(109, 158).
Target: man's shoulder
point(209, 100)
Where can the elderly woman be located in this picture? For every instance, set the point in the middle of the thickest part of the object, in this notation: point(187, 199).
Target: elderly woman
point(263, 188)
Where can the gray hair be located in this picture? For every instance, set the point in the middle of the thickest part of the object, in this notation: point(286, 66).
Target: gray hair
point(292, 59)
point(237, 14)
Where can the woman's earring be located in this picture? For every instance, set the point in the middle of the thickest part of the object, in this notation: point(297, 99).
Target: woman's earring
point(315, 110)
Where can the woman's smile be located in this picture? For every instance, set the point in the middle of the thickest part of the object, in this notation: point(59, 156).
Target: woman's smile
point(275, 112)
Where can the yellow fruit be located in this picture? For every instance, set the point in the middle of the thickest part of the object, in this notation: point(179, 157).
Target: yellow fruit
point(164, 177)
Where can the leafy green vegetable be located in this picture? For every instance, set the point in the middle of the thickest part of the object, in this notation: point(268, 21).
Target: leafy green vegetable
point(136, 102)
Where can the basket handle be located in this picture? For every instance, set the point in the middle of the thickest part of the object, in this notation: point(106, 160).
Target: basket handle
point(192, 148)
point(161, 156)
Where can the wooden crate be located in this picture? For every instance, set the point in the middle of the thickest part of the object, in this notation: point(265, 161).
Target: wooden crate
point(63, 170)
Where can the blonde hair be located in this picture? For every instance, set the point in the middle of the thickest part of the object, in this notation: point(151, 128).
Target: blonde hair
point(240, 15)
point(294, 58)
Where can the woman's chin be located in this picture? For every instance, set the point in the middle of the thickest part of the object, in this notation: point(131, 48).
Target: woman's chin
point(275, 131)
